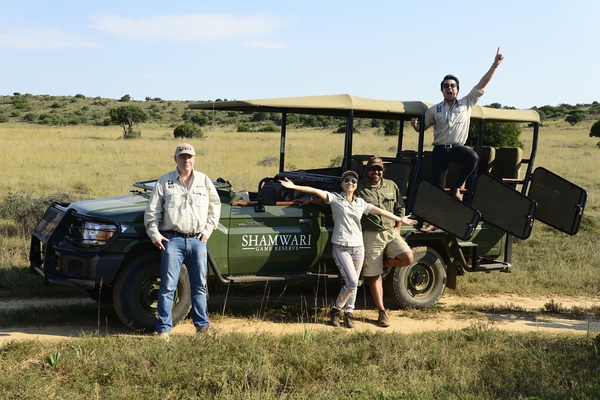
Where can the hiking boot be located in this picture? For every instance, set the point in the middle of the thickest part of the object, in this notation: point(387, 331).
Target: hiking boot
point(164, 336)
point(334, 317)
point(203, 330)
point(349, 320)
point(383, 320)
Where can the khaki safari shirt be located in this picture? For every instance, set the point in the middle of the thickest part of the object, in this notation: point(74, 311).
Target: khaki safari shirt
point(346, 219)
point(174, 207)
point(451, 123)
point(385, 196)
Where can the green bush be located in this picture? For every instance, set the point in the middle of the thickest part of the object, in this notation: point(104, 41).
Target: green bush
point(3, 118)
point(497, 135)
point(575, 117)
point(268, 128)
point(187, 130)
point(48, 119)
point(25, 210)
point(30, 117)
point(595, 130)
point(244, 128)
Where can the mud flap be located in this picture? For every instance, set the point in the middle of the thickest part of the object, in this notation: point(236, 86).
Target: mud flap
point(504, 207)
point(437, 207)
point(560, 202)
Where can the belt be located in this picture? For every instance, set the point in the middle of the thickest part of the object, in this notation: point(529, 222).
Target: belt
point(185, 235)
point(447, 146)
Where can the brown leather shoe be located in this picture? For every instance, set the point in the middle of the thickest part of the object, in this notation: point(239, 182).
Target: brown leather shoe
point(334, 317)
point(349, 320)
point(383, 320)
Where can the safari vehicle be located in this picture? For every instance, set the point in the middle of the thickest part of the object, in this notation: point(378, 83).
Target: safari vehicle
point(101, 245)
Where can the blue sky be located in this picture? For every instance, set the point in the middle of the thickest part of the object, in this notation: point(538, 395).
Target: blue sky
point(393, 50)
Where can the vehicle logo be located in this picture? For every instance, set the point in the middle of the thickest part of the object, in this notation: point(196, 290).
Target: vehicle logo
point(276, 242)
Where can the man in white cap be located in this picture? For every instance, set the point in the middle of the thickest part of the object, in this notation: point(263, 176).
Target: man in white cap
point(182, 212)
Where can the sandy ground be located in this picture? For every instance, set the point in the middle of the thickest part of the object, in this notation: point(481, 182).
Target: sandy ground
point(528, 320)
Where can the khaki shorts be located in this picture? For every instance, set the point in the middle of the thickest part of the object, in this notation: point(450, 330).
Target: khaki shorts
point(380, 245)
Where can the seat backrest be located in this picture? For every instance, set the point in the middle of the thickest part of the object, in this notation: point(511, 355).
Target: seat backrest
point(399, 172)
point(507, 163)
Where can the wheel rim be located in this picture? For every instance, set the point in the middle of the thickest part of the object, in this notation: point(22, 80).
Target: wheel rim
point(420, 279)
point(147, 296)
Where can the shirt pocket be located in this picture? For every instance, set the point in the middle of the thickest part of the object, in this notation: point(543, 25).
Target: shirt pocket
point(388, 201)
point(200, 197)
point(174, 200)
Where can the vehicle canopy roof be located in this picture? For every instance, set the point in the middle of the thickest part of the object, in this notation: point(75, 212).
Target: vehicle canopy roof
point(340, 104)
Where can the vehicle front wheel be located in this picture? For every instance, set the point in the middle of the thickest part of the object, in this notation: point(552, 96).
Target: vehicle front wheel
point(420, 284)
point(135, 295)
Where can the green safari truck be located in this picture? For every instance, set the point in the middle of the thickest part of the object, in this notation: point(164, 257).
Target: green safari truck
point(101, 246)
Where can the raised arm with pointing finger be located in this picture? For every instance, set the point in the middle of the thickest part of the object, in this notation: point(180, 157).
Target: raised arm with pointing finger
point(450, 120)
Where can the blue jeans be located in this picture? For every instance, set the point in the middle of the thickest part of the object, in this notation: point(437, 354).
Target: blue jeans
point(191, 252)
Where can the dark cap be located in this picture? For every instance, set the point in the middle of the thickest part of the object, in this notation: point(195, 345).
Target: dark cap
point(375, 161)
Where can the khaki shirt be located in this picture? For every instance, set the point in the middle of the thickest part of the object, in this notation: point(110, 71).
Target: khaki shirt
point(174, 207)
point(386, 196)
point(451, 123)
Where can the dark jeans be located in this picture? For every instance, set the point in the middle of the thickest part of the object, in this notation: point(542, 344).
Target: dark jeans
point(441, 162)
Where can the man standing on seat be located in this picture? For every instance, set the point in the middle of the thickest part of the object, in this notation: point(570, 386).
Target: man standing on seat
point(384, 247)
point(182, 212)
point(450, 120)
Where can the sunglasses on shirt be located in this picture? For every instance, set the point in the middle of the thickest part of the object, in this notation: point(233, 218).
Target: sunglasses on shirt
point(350, 180)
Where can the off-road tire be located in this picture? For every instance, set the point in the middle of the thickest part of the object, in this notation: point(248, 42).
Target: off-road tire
point(420, 284)
point(136, 292)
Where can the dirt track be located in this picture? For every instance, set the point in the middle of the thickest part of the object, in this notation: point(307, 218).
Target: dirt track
point(529, 320)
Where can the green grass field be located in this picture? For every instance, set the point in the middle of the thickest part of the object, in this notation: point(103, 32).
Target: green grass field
point(476, 363)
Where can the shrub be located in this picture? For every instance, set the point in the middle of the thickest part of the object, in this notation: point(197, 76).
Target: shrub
point(390, 127)
point(3, 118)
point(595, 130)
point(244, 128)
point(497, 135)
point(133, 134)
point(187, 130)
point(575, 117)
point(268, 128)
point(30, 117)
point(125, 98)
point(25, 210)
point(48, 118)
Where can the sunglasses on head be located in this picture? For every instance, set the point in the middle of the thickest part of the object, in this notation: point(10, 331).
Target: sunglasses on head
point(350, 180)
point(376, 168)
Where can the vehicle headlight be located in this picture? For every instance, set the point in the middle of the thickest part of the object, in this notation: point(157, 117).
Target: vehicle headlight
point(96, 234)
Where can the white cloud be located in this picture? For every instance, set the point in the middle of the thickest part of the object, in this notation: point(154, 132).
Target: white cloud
point(40, 37)
point(188, 27)
point(264, 44)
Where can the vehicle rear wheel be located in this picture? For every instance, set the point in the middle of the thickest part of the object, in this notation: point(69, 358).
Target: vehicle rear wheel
point(420, 284)
point(135, 294)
